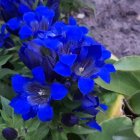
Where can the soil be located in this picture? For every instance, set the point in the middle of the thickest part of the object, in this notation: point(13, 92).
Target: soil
point(116, 24)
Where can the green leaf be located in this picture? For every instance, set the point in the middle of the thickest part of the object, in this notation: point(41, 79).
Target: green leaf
point(127, 78)
point(110, 128)
point(77, 129)
point(123, 138)
point(72, 136)
point(134, 103)
point(56, 135)
point(40, 133)
point(2, 126)
point(4, 59)
point(5, 71)
point(137, 127)
point(69, 104)
point(122, 82)
point(129, 63)
point(1, 137)
point(114, 102)
point(6, 118)
point(6, 90)
point(126, 134)
point(6, 107)
point(32, 125)
point(17, 121)
point(87, 3)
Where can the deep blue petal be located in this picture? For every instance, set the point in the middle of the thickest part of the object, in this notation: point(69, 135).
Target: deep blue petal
point(104, 107)
point(95, 51)
point(72, 21)
point(23, 9)
point(85, 85)
point(30, 56)
point(88, 41)
point(84, 29)
point(58, 91)
point(62, 69)
point(58, 28)
point(110, 67)
point(18, 83)
point(93, 124)
point(54, 5)
point(106, 54)
point(25, 32)
point(68, 59)
point(105, 75)
point(74, 33)
point(44, 11)
point(39, 74)
point(91, 110)
point(45, 113)
point(13, 24)
point(20, 105)
point(29, 17)
point(52, 43)
point(31, 114)
point(90, 101)
point(83, 53)
point(69, 119)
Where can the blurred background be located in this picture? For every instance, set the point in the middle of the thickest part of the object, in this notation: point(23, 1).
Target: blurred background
point(114, 23)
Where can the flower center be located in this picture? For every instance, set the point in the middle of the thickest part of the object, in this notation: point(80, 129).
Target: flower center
point(42, 92)
point(38, 94)
point(81, 69)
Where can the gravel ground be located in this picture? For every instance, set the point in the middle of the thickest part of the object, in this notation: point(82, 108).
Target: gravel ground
point(116, 24)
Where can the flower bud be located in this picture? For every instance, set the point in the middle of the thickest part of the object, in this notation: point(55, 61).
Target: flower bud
point(9, 133)
point(69, 119)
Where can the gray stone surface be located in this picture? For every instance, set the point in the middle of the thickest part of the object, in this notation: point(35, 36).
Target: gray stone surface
point(116, 23)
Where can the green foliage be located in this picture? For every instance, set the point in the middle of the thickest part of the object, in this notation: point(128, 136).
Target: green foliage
point(115, 129)
point(137, 127)
point(126, 82)
point(32, 129)
point(127, 78)
point(4, 59)
point(134, 103)
point(129, 63)
point(73, 5)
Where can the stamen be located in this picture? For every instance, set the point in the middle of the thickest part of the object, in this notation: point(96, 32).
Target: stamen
point(81, 69)
point(42, 92)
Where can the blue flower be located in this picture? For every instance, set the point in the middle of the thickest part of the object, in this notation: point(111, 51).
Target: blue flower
point(30, 54)
point(34, 95)
point(90, 104)
point(94, 125)
point(69, 119)
point(33, 54)
point(13, 8)
point(35, 22)
point(9, 133)
point(5, 39)
point(54, 4)
point(81, 57)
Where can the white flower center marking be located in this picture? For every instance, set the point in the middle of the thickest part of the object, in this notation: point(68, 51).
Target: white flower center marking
point(81, 69)
point(41, 92)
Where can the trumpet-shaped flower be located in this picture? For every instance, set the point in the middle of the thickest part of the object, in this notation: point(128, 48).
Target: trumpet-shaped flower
point(15, 8)
point(81, 57)
point(34, 95)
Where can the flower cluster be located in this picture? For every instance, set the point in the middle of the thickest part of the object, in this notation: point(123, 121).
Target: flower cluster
point(64, 62)
point(16, 8)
